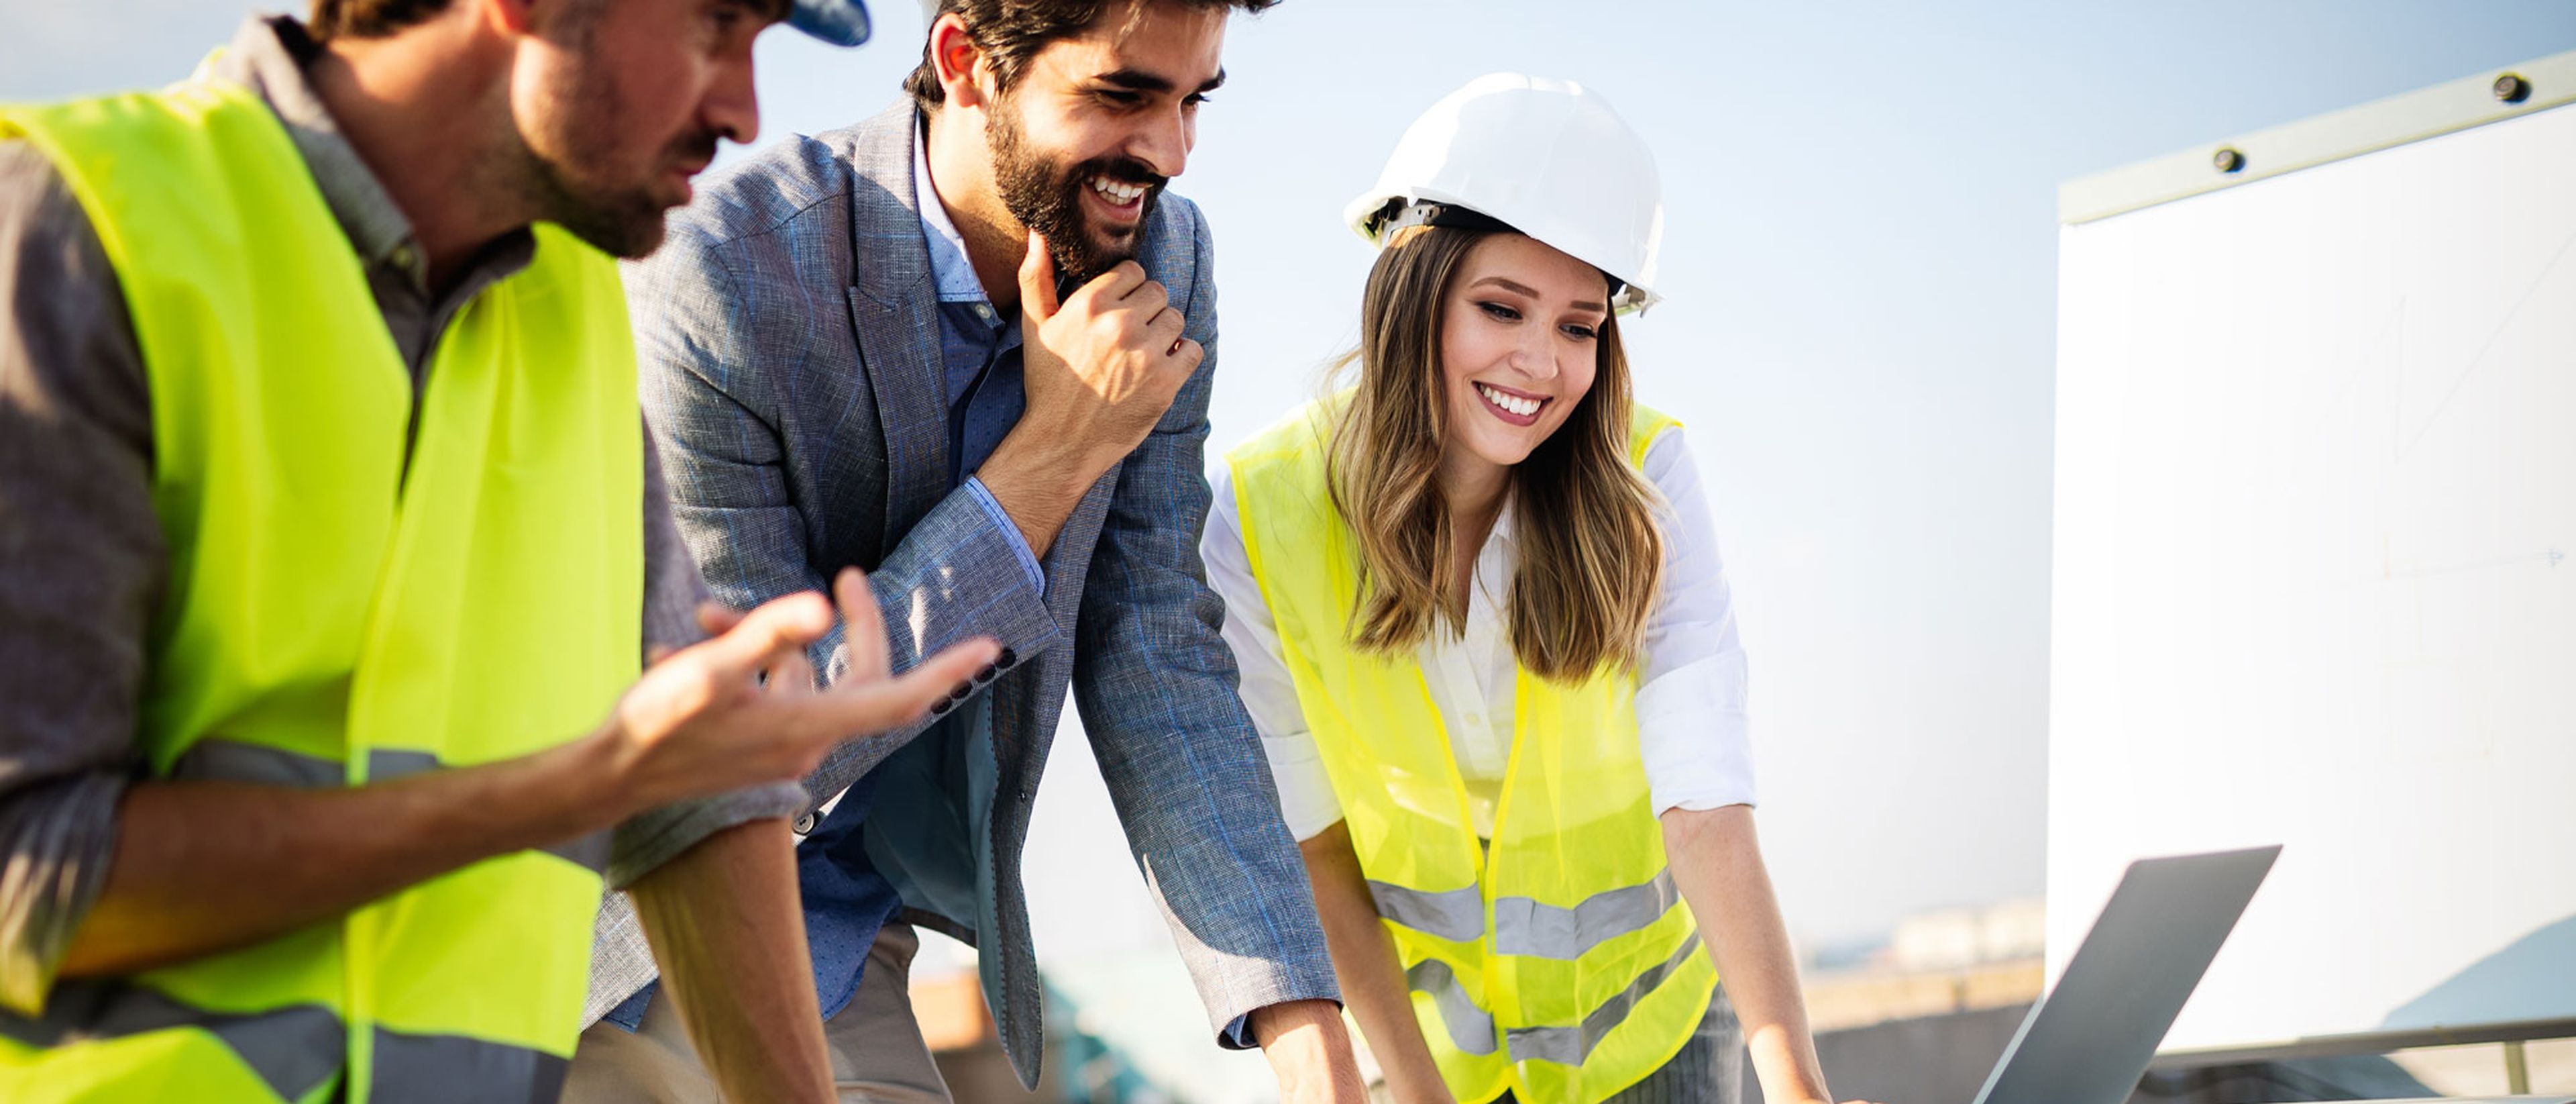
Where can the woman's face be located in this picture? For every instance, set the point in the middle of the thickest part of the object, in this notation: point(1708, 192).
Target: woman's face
point(1518, 336)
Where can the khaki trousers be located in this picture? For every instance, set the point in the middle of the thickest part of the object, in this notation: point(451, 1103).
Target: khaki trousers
point(878, 1056)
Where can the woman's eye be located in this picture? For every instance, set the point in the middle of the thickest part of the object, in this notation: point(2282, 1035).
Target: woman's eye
point(1500, 311)
point(1581, 332)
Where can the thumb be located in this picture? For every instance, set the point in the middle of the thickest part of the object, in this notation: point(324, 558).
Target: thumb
point(1037, 280)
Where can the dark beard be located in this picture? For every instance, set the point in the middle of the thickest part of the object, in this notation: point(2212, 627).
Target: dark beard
point(621, 219)
point(621, 222)
point(1050, 201)
point(628, 225)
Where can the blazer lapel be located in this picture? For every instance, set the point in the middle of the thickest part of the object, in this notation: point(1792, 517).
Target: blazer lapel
point(894, 313)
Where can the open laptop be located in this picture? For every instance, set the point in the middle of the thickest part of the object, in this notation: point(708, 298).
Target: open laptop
point(2089, 1039)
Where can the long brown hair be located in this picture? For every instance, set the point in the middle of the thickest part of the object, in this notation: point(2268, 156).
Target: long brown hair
point(1591, 558)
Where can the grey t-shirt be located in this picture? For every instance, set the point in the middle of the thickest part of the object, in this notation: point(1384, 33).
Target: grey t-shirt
point(83, 566)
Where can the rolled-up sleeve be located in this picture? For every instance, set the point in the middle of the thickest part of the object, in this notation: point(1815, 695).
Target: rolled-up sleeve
point(84, 564)
point(673, 590)
point(1693, 727)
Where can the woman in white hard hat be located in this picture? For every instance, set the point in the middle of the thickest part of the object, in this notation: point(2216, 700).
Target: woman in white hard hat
point(1486, 637)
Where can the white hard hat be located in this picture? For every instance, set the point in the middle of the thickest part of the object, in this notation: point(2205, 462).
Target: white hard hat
point(1548, 158)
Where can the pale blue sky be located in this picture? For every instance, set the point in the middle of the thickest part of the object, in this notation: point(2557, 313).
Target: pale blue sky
point(1860, 272)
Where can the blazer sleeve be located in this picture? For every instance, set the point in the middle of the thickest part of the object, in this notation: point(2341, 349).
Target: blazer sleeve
point(1155, 683)
point(716, 352)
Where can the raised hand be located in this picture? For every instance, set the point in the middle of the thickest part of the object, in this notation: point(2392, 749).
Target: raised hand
point(742, 709)
point(1104, 364)
point(1100, 368)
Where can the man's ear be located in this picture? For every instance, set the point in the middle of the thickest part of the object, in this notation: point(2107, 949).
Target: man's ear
point(963, 75)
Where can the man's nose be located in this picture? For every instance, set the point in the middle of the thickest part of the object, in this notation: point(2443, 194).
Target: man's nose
point(732, 105)
point(1163, 142)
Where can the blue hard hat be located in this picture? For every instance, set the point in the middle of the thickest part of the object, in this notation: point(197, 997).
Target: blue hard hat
point(839, 22)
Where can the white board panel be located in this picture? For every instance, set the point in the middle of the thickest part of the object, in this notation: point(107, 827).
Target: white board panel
point(2315, 579)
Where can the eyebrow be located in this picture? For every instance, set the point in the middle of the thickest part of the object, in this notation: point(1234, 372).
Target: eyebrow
point(1138, 80)
point(1518, 288)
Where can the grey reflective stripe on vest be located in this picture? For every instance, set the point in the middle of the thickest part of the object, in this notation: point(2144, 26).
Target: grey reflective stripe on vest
point(1457, 916)
point(1522, 926)
point(387, 764)
point(293, 1049)
point(1569, 1046)
point(233, 761)
point(587, 852)
point(436, 1069)
point(1471, 1028)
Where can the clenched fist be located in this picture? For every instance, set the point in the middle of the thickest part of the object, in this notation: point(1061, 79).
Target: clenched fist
point(1100, 368)
point(1103, 365)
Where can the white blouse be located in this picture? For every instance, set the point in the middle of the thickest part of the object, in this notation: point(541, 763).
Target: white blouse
point(1691, 721)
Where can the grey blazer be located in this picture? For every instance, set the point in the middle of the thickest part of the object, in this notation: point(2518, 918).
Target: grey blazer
point(791, 365)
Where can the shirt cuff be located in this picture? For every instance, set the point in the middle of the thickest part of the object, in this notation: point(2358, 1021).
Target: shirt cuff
point(1307, 803)
point(1010, 529)
point(1695, 738)
point(58, 841)
point(650, 839)
point(1238, 1035)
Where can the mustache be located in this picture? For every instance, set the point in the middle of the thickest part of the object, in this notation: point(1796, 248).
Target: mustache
point(1122, 169)
point(696, 149)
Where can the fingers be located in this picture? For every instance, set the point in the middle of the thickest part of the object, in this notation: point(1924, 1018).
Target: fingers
point(863, 633)
point(1164, 329)
point(861, 708)
point(1134, 292)
point(779, 625)
point(792, 673)
point(717, 619)
point(1119, 286)
point(1187, 355)
point(1037, 280)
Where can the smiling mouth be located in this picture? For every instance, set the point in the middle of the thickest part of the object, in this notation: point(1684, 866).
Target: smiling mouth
point(1119, 195)
point(1515, 408)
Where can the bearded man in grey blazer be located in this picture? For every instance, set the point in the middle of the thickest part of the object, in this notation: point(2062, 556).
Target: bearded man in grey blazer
point(967, 345)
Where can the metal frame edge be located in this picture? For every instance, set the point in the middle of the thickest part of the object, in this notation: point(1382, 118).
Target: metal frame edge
point(2395, 121)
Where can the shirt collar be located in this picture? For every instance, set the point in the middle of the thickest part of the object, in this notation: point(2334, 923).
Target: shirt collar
point(267, 56)
point(950, 268)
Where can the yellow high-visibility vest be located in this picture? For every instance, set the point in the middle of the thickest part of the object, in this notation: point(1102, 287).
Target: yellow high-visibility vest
point(339, 613)
point(1556, 960)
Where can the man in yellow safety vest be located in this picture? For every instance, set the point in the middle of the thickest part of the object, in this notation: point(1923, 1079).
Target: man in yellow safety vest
point(333, 640)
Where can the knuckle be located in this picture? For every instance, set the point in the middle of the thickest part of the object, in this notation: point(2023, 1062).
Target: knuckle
point(694, 691)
